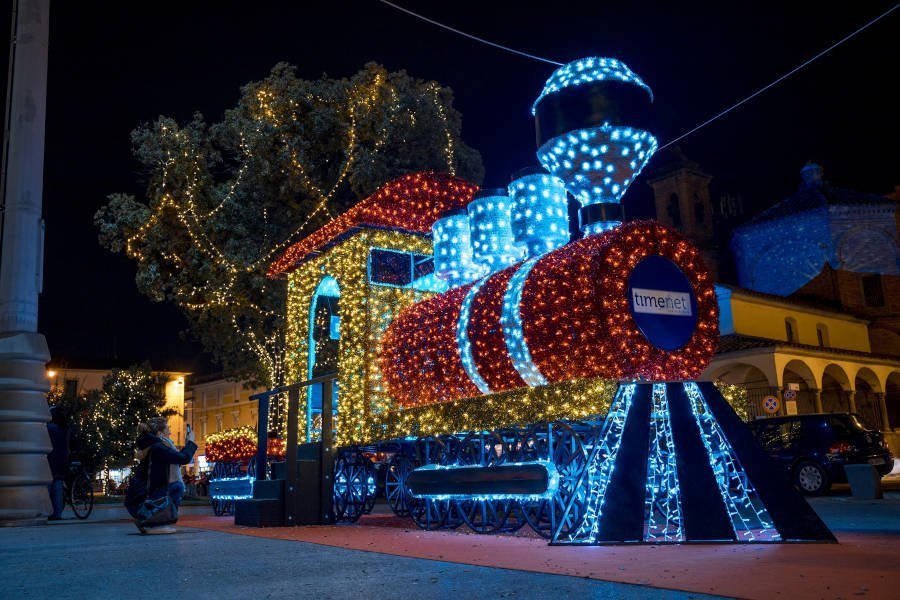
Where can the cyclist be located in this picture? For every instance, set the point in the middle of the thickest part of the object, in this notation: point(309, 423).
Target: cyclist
point(58, 459)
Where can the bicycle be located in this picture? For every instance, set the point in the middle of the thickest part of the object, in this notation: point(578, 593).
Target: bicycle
point(78, 491)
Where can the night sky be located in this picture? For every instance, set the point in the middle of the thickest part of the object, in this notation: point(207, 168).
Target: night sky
point(115, 65)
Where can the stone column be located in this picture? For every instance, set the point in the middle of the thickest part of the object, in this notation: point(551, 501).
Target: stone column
point(885, 420)
point(851, 400)
point(24, 443)
point(818, 399)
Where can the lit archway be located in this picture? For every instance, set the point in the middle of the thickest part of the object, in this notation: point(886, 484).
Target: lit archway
point(868, 397)
point(750, 378)
point(797, 373)
point(892, 399)
point(324, 348)
point(835, 389)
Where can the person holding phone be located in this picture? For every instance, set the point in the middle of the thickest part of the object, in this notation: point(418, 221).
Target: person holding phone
point(153, 476)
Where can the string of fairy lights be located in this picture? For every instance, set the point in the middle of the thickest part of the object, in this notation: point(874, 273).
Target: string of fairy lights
point(703, 124)
point(180, 199)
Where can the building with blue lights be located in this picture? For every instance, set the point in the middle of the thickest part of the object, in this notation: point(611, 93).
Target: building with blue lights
point(787, 246)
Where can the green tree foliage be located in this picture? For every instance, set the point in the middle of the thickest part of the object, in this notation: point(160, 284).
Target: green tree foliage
point(103, 423)
point(223, 200)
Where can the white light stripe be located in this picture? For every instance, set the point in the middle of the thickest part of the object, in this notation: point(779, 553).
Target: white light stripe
point(463, 342)
point(511, 323)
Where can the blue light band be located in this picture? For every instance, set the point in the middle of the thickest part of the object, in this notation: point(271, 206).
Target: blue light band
point(601, 467)
point(552, 484)
point(463, 342)
point(232, 484)
point(662, 500)
point(746, 511)
point(511, 324)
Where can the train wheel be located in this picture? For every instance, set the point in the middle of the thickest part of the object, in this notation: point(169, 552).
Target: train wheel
point(371, 486)
point(351, 486)
point(485, 450)
point(398, 468)
point(220, 471)
point(536, 447)
point(429, 514)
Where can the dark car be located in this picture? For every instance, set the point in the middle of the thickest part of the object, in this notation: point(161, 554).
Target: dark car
point(815, 448)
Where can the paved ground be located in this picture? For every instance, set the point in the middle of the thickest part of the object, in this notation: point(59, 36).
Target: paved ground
point(110, 560)
point(387, 558)
point(864, 564)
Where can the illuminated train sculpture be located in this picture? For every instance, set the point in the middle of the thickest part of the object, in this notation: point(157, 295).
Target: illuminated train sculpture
point(514, 377)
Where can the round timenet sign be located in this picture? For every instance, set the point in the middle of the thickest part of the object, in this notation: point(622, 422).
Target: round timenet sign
point(662, 302)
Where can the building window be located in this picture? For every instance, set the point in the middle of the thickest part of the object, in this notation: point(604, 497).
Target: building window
point(790, 329)
point(699, 210)
point(822, 335)
point(398, 269)
point(873, 293)
point(218, 423)
point(674, 210)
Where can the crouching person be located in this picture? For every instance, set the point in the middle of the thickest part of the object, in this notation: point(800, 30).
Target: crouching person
point(152, 479)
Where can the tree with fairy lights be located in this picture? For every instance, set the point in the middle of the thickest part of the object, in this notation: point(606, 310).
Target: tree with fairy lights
point(223, 200)
point(103, 423)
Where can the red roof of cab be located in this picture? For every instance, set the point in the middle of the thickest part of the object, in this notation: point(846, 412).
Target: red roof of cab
point(412, 202)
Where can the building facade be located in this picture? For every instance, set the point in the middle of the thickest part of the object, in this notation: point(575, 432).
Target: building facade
point(787, 246)
point(810, 358)
point(216, 404)
point(78, 381)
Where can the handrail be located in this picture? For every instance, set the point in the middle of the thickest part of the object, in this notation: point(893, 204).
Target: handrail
point(327, 442)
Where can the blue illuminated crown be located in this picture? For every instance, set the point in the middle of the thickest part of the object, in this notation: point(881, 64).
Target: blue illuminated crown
point(592, 132)
point(589, 70)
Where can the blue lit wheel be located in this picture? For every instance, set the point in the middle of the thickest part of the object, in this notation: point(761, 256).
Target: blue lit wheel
point(485, 450)
point(398, 469)
point(371, 486)
point(560, 444)
point(350, 486)
point(436, 451)
point(220, 471)
point(435, 514)
point(536, 447)
point(429, 514)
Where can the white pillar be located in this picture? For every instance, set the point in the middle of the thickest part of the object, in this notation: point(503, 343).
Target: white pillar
point(24, 443)
point(20, 276)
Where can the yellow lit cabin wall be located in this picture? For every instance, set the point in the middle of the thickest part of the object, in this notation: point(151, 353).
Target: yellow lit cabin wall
point(365, 312)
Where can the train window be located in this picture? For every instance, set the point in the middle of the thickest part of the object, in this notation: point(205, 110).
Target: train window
point(400, 269)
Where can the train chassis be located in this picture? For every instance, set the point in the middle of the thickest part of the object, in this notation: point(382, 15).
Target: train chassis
point(507, 461)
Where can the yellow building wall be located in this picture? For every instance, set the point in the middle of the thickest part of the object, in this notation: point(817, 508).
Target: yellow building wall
point(219, 405)
point(174, 391)
point(766, 319)
point(92, 379)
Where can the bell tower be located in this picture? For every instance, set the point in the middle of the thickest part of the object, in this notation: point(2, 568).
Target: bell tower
point(683, 202)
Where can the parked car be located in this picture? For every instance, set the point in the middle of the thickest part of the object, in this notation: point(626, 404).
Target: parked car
point(814, 448)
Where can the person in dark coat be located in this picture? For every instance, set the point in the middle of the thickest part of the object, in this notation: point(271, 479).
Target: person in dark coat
point(157, 455)
point(58, 459)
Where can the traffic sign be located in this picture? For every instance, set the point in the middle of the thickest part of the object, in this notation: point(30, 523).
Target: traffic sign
point(771, 404)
